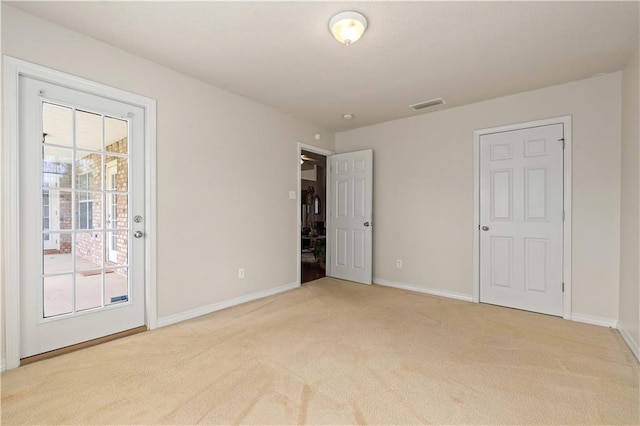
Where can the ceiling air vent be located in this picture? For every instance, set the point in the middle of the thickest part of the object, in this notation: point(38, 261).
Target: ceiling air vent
point(427, 104)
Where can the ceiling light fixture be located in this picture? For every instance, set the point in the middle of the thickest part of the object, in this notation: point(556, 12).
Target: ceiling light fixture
point(348, 27)
point(348, 116)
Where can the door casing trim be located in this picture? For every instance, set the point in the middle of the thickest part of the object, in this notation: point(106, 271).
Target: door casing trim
point(326, 153)
point(13, 69)
point(566, 238)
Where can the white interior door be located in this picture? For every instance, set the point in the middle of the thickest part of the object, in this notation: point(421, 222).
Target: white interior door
point(73, 295)
point(521, 218)
point(112, 210)
point(50, 212)
point(351, 216)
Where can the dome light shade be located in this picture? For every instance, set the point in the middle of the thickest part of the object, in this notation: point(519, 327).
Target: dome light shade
point(348, 27)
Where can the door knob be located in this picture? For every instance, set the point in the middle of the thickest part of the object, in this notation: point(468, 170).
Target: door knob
point(138, 234)
point(485, 228)
point(366, 224)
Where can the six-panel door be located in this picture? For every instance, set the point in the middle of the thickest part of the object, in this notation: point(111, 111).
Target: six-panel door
point(351, 216)
point(521, 218)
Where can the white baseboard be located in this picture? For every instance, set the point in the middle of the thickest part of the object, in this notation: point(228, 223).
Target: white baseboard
point(584, 318)
point(432, 291)
point(590, 319)
point(203, 310)
point(633, 345)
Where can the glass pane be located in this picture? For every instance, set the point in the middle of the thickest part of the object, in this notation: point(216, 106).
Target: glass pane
point(88, 290)
point(117, 178)
point(117, 248)
point(57, 125)
point(61, 200)
point(46, 211)
point(117, 211)
point(88, 250)
point(88, 167)
point(115, 135)
point(56, 167)
point(57, 295)
point(123, 212)
point(66, 242)
point(57, 253)
point(111, 211)
point(116, 286)
point(89, 210)
point(88, 131)
point(55, 210)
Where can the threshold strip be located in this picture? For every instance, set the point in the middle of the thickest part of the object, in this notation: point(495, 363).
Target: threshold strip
point(83, 345)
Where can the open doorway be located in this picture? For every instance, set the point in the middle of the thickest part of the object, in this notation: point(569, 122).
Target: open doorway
point(313, 201)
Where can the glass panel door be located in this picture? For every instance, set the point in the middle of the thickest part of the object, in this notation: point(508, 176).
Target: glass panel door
point(81, 174)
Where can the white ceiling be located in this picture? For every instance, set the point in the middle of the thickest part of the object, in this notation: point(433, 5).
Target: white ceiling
point(282, 54)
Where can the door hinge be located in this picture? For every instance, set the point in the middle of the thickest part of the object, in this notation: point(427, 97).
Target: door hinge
point(563, 287)
point(562, 141)
point(563, 215)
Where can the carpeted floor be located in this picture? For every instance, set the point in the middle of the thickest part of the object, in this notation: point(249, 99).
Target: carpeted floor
point(333, 352)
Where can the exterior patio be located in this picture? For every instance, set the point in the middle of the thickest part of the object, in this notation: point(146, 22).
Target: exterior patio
point(58, 289)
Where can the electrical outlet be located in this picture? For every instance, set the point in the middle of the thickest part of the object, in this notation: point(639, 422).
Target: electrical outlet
point(399, 264)
point(241, 273)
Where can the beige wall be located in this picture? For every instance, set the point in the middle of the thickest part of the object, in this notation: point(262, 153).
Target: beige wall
point(214, 150)
point(423, 189)
point(630, 208)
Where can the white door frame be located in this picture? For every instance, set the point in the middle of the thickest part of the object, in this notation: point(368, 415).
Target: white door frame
point(326, 153)
point(13, 69)
point(566, 240)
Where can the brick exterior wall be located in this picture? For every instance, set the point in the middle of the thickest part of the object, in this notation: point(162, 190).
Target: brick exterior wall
point(65, 220)
point(89, 245)
point(64, 181)
point(122, 208)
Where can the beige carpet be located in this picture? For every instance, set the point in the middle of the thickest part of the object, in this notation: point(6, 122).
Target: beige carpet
point(333, 352)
